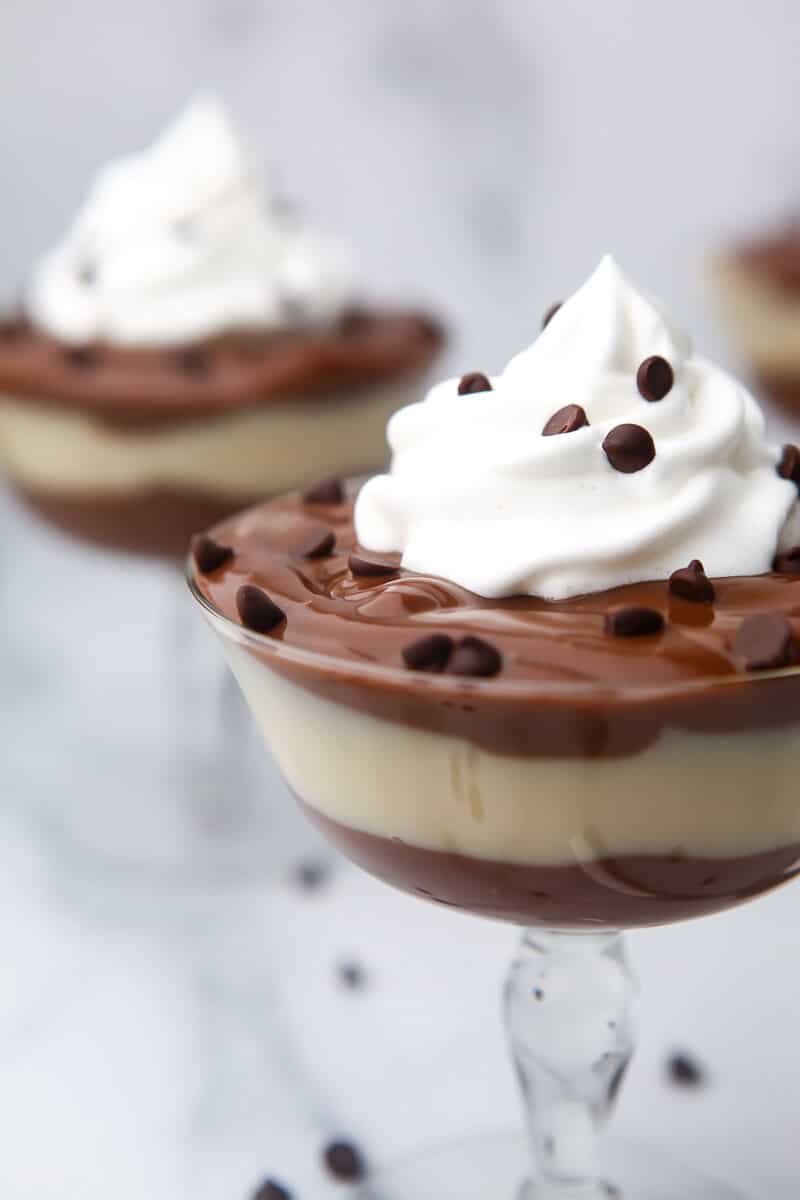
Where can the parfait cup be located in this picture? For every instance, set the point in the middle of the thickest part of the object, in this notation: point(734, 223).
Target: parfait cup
point(575, 811)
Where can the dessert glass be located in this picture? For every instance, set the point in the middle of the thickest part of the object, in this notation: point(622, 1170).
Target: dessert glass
point(575, 851)
point(186, 348)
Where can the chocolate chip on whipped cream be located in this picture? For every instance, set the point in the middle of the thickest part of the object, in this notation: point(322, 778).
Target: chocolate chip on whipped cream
point(474, 381)
point(551, 312)
point(208, 554)
point(629, 448)
point(788, 561)
point(692, 583)
point(256, 610)
point(654, 378)
point(789, 465)
point(566, 420)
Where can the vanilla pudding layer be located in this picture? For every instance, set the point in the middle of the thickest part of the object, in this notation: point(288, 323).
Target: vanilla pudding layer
point(709, 796)
point(255, 452)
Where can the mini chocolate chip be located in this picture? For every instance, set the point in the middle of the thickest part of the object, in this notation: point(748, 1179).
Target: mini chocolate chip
point(692, 583)
point(763, 641)
point(655, 378)
point(370, 568)
point(351, 975)
point(633, 621)
point(271, 1190)
point(429, 653)
point(789, 466)
point(475, 381)
point(83, 357)
point(551, 312)
point(685, 1070)
point(566, 420)
point(318, 545)
point(208, 554)
point(193, 360)
point(788, 561)
point(629, 448)
point(311, 875)
point(327, 491)
point(344, 1161)
point(256, 610)
point(474, 656)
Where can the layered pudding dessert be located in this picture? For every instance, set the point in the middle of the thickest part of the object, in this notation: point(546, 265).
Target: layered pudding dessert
point(759, 289)
point(189, 346)
point(545, 669)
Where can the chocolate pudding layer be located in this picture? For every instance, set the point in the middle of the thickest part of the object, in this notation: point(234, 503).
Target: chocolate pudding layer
point(567, 687)
point(141, 388)
point(627, 891)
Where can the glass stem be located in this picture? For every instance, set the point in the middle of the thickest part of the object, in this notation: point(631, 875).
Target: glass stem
point(568, 1002)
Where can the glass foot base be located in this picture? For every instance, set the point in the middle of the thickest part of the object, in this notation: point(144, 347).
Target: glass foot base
point(494, 1167)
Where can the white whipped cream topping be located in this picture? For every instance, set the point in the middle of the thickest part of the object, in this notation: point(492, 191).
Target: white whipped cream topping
point(477, 495)
point(178, 242)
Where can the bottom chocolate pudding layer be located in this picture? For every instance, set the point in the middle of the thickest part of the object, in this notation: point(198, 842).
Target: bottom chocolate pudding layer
point(620, 892)
point(158, 522)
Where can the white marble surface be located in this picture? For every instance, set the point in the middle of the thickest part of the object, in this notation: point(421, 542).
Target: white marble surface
point(167, 1045)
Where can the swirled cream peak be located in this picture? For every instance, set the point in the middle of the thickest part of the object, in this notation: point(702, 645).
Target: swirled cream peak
point(178, 243)
point(479, 495)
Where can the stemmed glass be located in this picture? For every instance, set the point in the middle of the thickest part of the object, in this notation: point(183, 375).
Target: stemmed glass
point(723, 800)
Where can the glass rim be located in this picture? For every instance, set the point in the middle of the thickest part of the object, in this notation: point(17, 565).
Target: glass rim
point(448, 684)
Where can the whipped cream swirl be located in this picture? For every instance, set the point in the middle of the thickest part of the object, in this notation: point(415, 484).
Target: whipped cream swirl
point(476, 494)
point(178, 243)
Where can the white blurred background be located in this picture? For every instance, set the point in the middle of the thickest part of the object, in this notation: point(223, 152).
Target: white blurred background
point(483, 153)
point(480, 154)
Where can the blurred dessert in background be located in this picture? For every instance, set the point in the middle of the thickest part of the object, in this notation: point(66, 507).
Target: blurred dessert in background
point(538, 665)
point(189, 347)
point(758, 283)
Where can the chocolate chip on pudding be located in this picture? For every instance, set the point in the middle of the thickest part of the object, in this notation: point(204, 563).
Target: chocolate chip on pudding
point(764, 642)
point(208, 554)
point(318, 544)
point(256, 610)
point(629, 448)
point(692, 583)
point(566, 420)
point(429, 653)
point(474, 656)
point(633, 621)
point(370, 568)
point(472, 383)
point(654, 378)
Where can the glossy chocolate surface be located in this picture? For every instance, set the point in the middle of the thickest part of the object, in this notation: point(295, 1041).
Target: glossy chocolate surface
point(566, 687)
point(134, 387)
point(620, 892)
